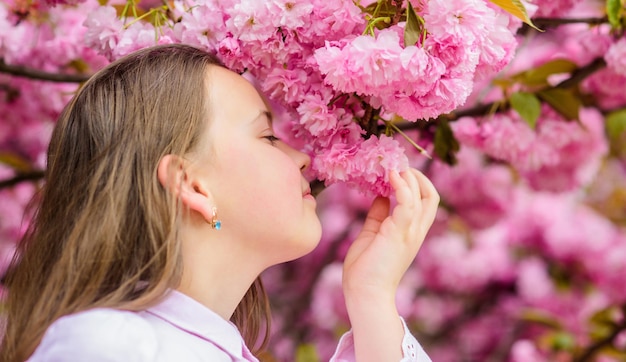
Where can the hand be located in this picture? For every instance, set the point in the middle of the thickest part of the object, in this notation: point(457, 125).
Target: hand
point(378, 259)
point(387, 245)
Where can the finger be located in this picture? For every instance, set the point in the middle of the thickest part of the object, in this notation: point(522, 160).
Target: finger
point(430, 198)
point(403, 212)
point(376, 215)
point(401, 187)
point(411, 178)
point(427, 189)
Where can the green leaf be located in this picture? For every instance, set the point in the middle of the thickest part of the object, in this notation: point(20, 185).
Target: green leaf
point(446, 145)
point(306, 353)
point(562, 341)
point(528, 106)
point(606, 316)
point(616, 124)
point(614, 12)
point(517, 9)
point(564, 101)
point(613, 352)
point(413, 29)
point(541, 317)
point(539, 76)
point(79, 65)
point(615, 128)
point(379, 8)
point(14, 161)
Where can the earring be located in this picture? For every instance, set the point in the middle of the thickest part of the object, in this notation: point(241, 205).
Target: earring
point(215, 223)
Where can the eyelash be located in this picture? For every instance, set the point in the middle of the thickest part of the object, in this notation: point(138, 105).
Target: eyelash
point(273, 139)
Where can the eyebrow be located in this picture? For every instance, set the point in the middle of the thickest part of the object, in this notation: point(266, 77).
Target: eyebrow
point(267, 114)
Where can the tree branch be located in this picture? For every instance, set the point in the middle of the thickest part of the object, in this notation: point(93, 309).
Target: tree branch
point(539, 22)
point(21, 177)
point(576, 77)
point(581, 73)
point(607, 341)
point(22, 71)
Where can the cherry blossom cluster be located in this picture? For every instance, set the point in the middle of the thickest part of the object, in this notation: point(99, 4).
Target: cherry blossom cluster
point(317, 61)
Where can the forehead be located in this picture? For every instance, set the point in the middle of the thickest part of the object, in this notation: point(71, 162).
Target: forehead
point(232, 98)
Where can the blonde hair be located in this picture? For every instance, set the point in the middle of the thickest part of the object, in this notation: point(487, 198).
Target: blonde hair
point(104, 222)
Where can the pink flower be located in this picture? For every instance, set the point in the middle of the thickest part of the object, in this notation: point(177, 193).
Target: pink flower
point(578, 150)
point(525, 350)
point(616, 57)
point(605, 85)
point(103, 30)
point(558, 155)
point(478, 28)
point(587, 45)
point(320, 120)
point(376, 157)
point(476, 264)
point(250, 20)
point(554, 8)
point(27, 122)
point(364, 165)
point(479, 193)
point(420, 71)
point(333, 20)
point(287, 85)
point(335, 163)
point(328, 306)
point(292, 14)
point(533, 281)
point(402, 79)
point(5, 27)
point(141, 35)
point(202, 25)
point(365, 65)
point(230, 53)
point(457, 19)
point(13, 220)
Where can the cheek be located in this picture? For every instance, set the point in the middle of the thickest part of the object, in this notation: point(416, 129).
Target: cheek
point(263, 181)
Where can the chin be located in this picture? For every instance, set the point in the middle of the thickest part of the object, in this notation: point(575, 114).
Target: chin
point(304, 245)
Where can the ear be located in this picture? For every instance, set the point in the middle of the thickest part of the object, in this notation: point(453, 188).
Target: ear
point(190, 189)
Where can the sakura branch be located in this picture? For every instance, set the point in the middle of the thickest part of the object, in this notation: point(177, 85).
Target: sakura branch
point(479, 110)
point(30, 73)
point(549, 22)
point(22, 177)
point(590, 352)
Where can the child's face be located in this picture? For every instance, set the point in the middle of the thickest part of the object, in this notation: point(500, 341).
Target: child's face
point(256, 183)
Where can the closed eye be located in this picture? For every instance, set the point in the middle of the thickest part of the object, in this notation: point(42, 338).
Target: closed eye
point(273, 139)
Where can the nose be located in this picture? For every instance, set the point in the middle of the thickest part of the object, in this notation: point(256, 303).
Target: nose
point(301, 159)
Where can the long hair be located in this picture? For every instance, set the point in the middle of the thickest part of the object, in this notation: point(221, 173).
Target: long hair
point(105, 230)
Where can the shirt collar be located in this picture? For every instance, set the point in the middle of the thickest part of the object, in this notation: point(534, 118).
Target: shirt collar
point(193, 317)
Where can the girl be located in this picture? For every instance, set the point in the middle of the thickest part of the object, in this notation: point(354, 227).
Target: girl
point(167, 194)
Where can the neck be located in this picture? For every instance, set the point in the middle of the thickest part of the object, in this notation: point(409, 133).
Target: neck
point(214, 272)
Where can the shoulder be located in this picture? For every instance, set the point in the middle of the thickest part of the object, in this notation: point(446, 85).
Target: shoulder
point(98, 335)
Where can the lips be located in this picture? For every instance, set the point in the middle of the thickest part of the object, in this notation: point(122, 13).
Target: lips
point(306, 188)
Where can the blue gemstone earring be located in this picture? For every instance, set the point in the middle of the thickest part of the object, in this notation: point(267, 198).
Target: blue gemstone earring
point(215, 223)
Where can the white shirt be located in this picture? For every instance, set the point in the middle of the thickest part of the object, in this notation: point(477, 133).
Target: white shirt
point(177, 329)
